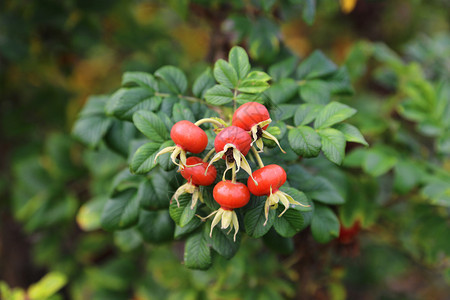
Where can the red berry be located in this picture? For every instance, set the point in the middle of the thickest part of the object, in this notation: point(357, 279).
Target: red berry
point(189, 136)
point(233, 135)
point(269, 176)
point(231, 195)
point(348, 234)
point(250, 114)
point(196, 175)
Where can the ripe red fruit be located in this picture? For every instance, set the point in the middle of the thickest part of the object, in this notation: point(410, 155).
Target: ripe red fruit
point(235, 136)
point(249, 115)
point(269, 176)
point(189, 136)
point(231, 195)
point(196, 174)
point(348, 234)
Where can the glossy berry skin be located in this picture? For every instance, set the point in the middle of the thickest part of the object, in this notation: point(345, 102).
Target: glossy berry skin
point(231, 195)
point(196, 175)
point(189, 136)
point(250, 114)
point(233, 135)
point(270, 175)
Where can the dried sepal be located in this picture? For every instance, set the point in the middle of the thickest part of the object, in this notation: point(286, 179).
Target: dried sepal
point(188, 188)
point(274, 198)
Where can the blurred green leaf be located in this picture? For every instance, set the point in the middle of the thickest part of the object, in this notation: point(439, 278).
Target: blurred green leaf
point(316, 65)
point(174, 78)
point(333, 144)
point(197, 254)
point(288, 224)
point(203, 83)
point(306, 113)
point(325, 224)
point(156, 226)
point(351, 133)
point(121, 211)
point(49, 285)
point(315, 91)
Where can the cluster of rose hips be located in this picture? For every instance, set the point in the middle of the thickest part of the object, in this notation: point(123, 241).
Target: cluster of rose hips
point(232, 144)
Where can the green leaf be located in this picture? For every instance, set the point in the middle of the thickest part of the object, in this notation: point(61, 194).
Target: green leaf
point(282, 91)
point(309, 11)
point(142, 79)
point(126, 101)
point(333, 113)
point(283, 69)
point(89, 214)
point(225, 74)
point(283, 111)
point(315, 66)
point(438, 192)
point(299, 197)
point(156, 226)
point(197, 254)
point(252, 87)
point(149, 198)
point(333, 144)
point(182, 215)
point(277, 243)
point(151, 126)
point(180, 232)
point(143, 160)
point(305, 141)
point(254, 221)
point(48, 286)
point(288, 224)
point(119, 137)
point(378, 162)
point(306, 113)
point(315, 91)
point(219, 95)
point(407, 175)
point(325, 224)
point(351, 133)
point(339, 82)
point(222, 242)
point(181, 112)
point(244, 98)
point(92, 123)
point(204, 82)
point(320, 189)
point(128, 239)
point(121, 211)
point(174, 78)
point(238, 58)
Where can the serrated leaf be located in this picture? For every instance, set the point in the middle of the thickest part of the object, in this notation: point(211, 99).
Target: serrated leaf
point(320, 189)
point(225, 74)
point(151, 126)
point(156, 226)
point(121, 211)
point(289, 223)
point(174, 78)
point(219, 95)
point(149, 198)
point(306, 113)
point(181, 112)
point(282, 91)
point(141, 79)
point(244, 98)
point(315, 66)
point(126, 101)
point(204, 82)
point(324, 224)
point(351, 133)
point(339, 82)
point(254, 221)
point(188, 228)
point(197, 254)
point(252, 86)
point(333, 144)
point(283, 69)
point(315, 91)
point(238, 58)
point(298, 196)
point(222, 242)
point(92, 123)
point(305, 141)
point(143, 159)
point(333, 113)
point(182, 215)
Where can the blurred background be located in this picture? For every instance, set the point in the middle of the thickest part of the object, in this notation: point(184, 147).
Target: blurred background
point(54, 54)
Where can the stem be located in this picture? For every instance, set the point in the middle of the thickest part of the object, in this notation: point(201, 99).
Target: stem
point(258, 158)
point(289, 126)
point(209, 120)
point(208, 155)
point(233, 173)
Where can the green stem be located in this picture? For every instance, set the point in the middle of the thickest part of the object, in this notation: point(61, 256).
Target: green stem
point(208, 155)
point(258, 158)
point(289, 126)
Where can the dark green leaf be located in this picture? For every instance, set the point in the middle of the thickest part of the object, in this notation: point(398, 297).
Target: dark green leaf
point(254, 221)
point(333, 144)
point(204, 82)
point(333, 113)
point(306, 113)
point(325, 224)
point(283, 69)
point(222, 242)
point(149, 199)
point(182, 215)
point(141, 79)
point(121, 211)
point(143, 160)
point(156, 226)
point(278, 243)
point(238, 58)
point(305, 141)
point(309, 11)
point(188, 228)
point(174, 78)
point(181, 112)
point(314, 66)
point(126, 101)
point(320, 189)
point(299, 197)
point(151, 126)
point(119, 137)
point(288, 224)
point(339, 82)
point(315, 91)
point(197, 254)
point(225, 74)
point(219, 95)
point(282, 91)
